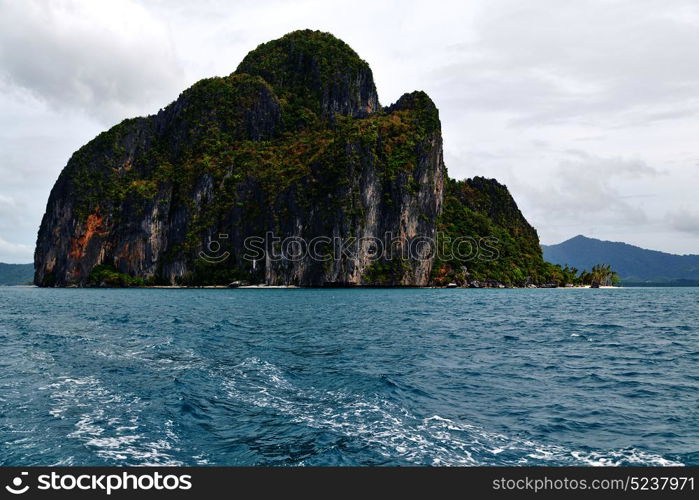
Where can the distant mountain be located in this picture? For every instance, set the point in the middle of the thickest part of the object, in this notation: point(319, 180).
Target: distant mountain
point(634, 264)
point(16, 274)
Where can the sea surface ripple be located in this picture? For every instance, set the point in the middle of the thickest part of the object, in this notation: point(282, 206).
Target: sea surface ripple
point(349, 377)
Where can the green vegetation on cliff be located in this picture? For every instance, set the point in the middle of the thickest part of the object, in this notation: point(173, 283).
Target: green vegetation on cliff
point(108, 276)
point(483, 236)
point(293, 142)
point(315, 76)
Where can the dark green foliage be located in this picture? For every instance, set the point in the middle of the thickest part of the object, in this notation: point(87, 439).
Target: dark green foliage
point(426, 113)
point(203, 128)
point(311, 163)
point(505, 248)
point(314, 75)
point(108, 276)
point(501, 246)
point(216, 112)
point(601, 274)
point(93, 187)
point(289, 132)
point(386, 272)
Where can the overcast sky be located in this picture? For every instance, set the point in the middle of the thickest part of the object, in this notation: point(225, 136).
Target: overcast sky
point(588, 110)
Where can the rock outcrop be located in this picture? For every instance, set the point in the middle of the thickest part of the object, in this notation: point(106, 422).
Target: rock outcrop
point(293, 143)
point(231, 180)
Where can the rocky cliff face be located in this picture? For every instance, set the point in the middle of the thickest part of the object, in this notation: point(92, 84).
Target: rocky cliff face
point(293, 146)
point(287, 171)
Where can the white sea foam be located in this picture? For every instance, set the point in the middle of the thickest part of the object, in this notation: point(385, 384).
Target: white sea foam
point(397, 434)
point(182, 358)
point(110, 424)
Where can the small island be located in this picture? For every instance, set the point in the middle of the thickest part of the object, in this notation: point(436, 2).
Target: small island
point(293, 143)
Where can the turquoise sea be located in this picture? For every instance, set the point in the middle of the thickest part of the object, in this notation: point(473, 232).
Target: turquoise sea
point(349, 377)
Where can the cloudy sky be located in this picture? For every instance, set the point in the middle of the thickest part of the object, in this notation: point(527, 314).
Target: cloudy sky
point(588, 111)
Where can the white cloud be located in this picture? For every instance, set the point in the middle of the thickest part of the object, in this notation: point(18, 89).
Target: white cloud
point(10, 209)
point(686, 221)
point(586, 184)
point(609, 63)
point(16, 253)
point(7, 202)
point(520, 86)
point(109, 59)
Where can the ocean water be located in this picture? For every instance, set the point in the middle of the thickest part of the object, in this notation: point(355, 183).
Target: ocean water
point(349, 377)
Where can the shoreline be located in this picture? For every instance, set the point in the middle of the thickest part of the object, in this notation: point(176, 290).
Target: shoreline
point(218, 287)
point(357, 287)
point(285, 287)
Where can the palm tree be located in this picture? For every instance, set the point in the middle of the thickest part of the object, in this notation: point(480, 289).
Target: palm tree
point(602, 274)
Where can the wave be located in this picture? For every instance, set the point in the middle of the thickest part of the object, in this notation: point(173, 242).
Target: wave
point(109, 424)
point(397, 434)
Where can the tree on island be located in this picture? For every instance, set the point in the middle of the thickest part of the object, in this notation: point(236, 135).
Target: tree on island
point(601, 274)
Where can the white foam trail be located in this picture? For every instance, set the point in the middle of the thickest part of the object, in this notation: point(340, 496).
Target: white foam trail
point(396, 434)
point(109, 424)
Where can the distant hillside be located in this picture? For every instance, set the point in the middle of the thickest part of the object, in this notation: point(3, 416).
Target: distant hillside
point(16, 274)
point(634, 264)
